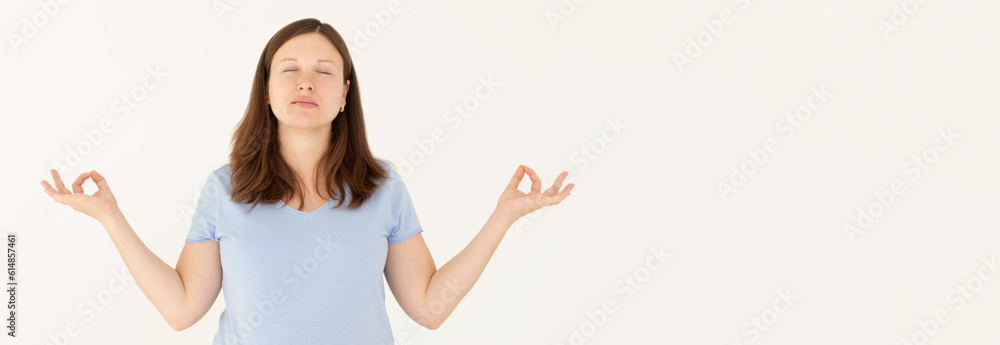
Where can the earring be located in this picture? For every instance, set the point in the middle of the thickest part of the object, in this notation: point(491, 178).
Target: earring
point(342, 107)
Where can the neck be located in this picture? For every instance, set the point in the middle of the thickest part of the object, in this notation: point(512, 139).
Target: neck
point(302, 148)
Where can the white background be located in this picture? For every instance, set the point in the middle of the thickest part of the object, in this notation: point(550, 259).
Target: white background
point(652, 183)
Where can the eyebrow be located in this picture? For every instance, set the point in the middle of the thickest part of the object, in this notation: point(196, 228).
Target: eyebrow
point(293, 59)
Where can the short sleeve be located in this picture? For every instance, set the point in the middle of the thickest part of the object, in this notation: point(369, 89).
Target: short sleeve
point(205, 213)
point(404, 214)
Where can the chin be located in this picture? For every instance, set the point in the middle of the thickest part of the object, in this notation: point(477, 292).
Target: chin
point(304, 122)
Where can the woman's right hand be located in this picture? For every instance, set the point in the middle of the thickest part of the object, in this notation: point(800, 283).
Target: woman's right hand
point(100, 205)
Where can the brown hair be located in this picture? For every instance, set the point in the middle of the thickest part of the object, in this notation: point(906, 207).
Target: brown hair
point(260, 174)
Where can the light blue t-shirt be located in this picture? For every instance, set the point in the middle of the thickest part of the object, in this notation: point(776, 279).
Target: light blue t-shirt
point(293, 277)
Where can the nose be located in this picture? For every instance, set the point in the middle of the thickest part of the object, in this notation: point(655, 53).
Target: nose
point(305, 85)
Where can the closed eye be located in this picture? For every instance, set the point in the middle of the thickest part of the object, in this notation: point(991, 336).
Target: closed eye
point(293, 70)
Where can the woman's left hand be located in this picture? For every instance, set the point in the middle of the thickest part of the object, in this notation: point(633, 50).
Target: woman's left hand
point(515, 204)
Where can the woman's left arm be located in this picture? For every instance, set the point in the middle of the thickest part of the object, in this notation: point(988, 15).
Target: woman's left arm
point(429, 295)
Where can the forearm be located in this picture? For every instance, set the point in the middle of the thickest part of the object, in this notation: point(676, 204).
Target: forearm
point(160, 283)
point(450, 283)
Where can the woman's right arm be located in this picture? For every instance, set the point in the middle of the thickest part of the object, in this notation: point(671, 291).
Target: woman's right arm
point(182, 295)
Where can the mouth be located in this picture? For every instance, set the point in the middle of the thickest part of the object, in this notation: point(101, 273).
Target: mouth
point(305, 104)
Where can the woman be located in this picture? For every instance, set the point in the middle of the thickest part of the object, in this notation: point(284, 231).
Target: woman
point(299, 269)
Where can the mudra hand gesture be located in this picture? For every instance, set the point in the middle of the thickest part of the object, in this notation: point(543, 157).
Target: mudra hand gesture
point(516, 204)
point(99, 205)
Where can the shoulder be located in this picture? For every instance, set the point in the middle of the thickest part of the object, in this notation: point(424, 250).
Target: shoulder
point(220, 177)
point(393, 184)
point(393, 174)
point(222, 173)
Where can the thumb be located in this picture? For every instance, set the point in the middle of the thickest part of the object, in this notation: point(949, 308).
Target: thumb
point(99, 179)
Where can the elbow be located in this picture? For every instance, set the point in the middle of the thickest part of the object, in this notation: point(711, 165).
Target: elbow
point(431, 325)
point(428, 322)
point(179, 325)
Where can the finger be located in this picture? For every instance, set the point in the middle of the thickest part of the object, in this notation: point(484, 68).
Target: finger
point(53, 193)
point(566, 190)
point(562, 195)
point(536, 182)
point(48, 188)
point(518, 176)
point(557, 184)
point(99, 180)
point(78, 184)
point(58, 182)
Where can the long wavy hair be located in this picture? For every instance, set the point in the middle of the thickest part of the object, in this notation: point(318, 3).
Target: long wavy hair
point(261, 175)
